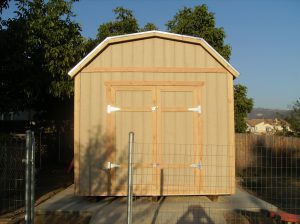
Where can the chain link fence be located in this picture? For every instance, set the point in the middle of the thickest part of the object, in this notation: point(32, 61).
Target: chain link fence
point(12, 172)
point(17, 170)
point(53, 145)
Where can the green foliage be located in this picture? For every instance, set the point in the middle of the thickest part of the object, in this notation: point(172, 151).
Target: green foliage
point(41, 45)
point(15, 88)
point(4, 4)
point(149, 27)
point(294, 117)
point(242, 106)
point(53, 39)
point(124, 23)
point(199, 22)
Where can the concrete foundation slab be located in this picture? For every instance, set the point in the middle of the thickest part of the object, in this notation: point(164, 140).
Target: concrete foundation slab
point(187, 209)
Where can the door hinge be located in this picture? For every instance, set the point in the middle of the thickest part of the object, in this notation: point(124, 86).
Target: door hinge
point(112, 109)
point(111, 165)
point(154, 108)
point(196, 165)
point(195, 109)
point(155, 165)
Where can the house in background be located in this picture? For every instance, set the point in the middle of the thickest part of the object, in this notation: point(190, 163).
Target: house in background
point(266, 126)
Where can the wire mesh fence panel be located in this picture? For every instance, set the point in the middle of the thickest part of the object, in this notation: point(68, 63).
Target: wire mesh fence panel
point(12, 173)
point(259, 182)
point(183, 169)
point(268, 167)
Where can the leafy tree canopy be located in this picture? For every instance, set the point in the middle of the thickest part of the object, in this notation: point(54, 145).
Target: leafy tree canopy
point(124, 23)
point(199, 22)
point(4, 5)
point(15, 89)
point(149, 27)
point(53, 38)
point(39, 47)
point(242, 106)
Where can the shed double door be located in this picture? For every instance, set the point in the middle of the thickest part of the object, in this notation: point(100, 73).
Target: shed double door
point(167, 150)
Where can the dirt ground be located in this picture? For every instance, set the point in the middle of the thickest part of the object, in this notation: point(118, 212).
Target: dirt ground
point(52, 179)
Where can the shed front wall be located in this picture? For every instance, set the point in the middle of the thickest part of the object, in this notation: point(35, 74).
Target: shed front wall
point(91, 139)
point(154, 52)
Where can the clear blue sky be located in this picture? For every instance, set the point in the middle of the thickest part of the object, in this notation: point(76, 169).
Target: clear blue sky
point(264, 36)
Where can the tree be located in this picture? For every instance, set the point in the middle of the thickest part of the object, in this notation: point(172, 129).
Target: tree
point(15, 86)
point(149, 27)
point(48, 43)
point(54, 39)
point(3, 5)
point(199, 22)
point(294, 117)
point(124, 23)
point(242, 106)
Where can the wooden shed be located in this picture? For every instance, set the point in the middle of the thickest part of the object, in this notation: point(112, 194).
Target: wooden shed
point(175, 93)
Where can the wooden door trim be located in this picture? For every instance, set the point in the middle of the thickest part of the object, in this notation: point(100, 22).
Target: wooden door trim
point(156, 69)
point(135, 109)
point(111, 144)
point(177, 109)
point(111, 124)
point(198, 121)
point(156, 87)
point(197, 127)
point(77, 134)
point(153, 83)
point(159, 171)
point(132, 87)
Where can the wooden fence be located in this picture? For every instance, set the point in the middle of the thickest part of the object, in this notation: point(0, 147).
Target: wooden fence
point(268, 141)
point(251, 149)
point(269, 167)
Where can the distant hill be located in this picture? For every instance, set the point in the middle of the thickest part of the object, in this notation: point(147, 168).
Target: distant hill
point(257, 113)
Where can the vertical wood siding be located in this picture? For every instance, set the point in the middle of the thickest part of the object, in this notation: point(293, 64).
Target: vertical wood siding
point(217, 108)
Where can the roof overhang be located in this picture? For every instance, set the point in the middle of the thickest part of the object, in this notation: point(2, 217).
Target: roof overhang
point(149, 34)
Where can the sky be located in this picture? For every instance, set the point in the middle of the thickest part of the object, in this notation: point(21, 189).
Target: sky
point(264, 36)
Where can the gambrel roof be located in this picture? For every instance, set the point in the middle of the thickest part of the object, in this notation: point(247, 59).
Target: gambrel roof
point(149, 34)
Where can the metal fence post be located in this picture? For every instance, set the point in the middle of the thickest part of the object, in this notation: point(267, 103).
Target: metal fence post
point(29, 177)
point(129, 193)
point(32, 181)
